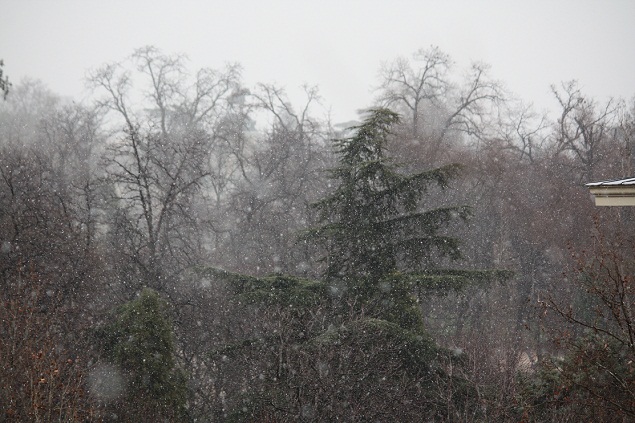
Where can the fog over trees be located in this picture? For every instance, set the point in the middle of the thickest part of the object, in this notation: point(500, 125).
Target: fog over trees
point(184, 247)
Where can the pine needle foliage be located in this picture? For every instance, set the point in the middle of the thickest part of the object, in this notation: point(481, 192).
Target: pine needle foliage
point(140, 341)
point(372, 224)
point(379, 241)
point(362, 321)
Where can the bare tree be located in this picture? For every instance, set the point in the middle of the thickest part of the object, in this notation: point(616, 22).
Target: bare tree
point(436, 108)
point(595, 328)
point(50, 275)
point(163, 157)
point(43, 373)
point(522, 130)
point(411, 89)
point(281, 175)
point(583, 128)
point(153, 188)
point(473, 104)
point(626, 137)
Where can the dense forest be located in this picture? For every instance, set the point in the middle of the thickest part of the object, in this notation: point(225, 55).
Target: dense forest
point(183, 247)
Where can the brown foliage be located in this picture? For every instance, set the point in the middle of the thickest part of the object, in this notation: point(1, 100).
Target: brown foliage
point(42, 377)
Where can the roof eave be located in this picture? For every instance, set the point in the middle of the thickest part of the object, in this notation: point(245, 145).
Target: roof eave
point(616, 195)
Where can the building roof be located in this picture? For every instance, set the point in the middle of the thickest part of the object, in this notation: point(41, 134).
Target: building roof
point(613, 182)
point(617, 192)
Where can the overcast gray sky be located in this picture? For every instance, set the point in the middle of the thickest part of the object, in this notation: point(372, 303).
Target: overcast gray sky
point(335, 44)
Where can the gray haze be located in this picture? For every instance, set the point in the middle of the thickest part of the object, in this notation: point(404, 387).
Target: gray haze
point(336, 45)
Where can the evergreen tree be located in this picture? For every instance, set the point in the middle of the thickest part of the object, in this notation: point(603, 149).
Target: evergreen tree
point(371, 221)
point(379, 243)
point(141, 342)
point(362, 322)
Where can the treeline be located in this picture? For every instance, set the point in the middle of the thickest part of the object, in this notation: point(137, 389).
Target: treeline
point(380, 265)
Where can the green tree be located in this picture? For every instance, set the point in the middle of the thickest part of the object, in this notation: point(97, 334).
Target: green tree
point(380, 245)
point(141, 342)
point(353, 345)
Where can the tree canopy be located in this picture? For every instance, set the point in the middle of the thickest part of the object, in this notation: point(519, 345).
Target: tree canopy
point(379, 240)
point(140, 341)
point(381, 248)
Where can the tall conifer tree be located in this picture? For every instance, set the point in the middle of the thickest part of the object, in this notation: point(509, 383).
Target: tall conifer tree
point(362, 319)
point(379, 242)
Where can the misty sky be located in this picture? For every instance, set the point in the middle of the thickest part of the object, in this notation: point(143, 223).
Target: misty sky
point(337, 45)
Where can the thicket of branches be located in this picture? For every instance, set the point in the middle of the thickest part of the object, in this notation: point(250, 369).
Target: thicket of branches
point(172, 205)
